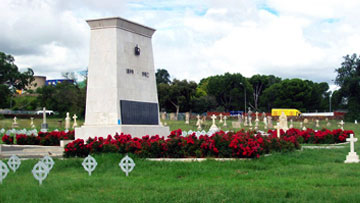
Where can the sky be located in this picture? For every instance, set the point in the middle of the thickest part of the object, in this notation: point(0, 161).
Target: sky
point(304, 39)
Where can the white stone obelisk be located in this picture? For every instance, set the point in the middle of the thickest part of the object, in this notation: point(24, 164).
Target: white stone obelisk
point(121, 86)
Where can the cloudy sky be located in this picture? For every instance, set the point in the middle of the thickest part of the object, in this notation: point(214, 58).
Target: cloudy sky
point(194, 39)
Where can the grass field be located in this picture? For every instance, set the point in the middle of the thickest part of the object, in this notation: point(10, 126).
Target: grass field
point(301, 176)
point(311, 175)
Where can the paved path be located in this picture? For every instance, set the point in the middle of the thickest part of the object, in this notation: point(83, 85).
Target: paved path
point(30, 151)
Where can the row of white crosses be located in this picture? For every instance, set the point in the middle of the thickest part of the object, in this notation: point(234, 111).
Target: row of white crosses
point(126, 164)
point(40, 170)
point(44, 124)
point(213, 126)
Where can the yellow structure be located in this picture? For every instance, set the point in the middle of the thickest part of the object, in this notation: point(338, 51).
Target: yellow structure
point(288, 112)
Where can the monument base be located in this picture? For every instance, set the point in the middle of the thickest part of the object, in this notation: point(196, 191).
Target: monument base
point(352, 157)
point(84, 132)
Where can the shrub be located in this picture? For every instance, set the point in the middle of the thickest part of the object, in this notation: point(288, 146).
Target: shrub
point(7, 139)
point(220, 144)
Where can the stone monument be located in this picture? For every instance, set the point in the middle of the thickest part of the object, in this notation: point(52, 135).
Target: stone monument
point(225, 124)
point(221, 118)
point(187, 118)
point(15, 124)
point(352, 157)
point(32, 125)
point(283, 122)
point(198, 122)
point(44, 125)
point(213, 127)
point(121, 89)
point(67, 121)
point(75, 122)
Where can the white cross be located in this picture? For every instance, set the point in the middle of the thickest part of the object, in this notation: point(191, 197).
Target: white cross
point(44, 115)
point(89, 164)
point(3, 171)
point(48, 161)
point(225, 118)
point(352, 140)
point(14, 163)
point(40, 171)
point(75, 123)
point(213, 117)
point(127, 164)
point(278, 129)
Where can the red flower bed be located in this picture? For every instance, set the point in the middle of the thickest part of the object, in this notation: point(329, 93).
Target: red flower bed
point(7, 139)
point(48, 139)
point(310, 136)
point(240, 145)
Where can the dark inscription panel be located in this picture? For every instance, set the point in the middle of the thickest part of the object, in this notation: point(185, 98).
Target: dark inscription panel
point(139, 113)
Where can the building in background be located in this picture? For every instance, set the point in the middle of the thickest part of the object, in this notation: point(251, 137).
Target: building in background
point(37, 83)
point(58, 81)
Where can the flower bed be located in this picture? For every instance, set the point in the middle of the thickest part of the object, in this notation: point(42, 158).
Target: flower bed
point(311, 136)
point(238, 145)
point(47, 139)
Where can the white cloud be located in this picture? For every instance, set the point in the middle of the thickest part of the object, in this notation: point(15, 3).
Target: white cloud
point(194, 39)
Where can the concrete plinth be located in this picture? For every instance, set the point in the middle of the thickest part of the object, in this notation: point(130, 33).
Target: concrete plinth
point(85, 132)
point(352, 157)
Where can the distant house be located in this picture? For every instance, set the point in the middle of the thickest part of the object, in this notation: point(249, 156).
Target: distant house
point(58, 81)
point(39, 81)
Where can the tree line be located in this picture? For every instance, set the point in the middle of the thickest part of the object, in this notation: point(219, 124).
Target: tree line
point(226, 92)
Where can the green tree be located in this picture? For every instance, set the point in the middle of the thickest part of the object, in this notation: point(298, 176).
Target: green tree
point(289, 93)
point(177, 96)
point(348, 78)
point(62, 98)
point(162, 76)
point(259, 84)
point(12, 78)
point(228, 89)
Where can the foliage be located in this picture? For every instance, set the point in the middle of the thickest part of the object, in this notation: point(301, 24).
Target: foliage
point(348, 77)
point(25, 102)
point(295, 93)
point(63, 97)
point(259, 84)
point(12, 78)
point(228, 89)
point(162, 76)
point(239, 145)
point(177, 96)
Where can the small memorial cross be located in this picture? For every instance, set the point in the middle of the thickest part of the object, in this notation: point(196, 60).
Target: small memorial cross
point(89, 164)
point(278, 129)
point(48, 161)
point(14, 163)
point(40, 171)
point(44, 125)
point(127, 165)
point(75, 123)
point(342, 124)
point(225, 118)
point(67, 122)
point(32, 125)
point(221, 118)
point(213, 127)
point(352, 157)
point(3, 171)
point(198, 122)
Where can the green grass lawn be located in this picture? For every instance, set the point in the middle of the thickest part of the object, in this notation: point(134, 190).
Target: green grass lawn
point(301, 176)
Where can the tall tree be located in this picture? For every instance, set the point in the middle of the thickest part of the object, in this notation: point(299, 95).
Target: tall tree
point(11, 78)
point(229, 90)
point(259, 84)
point(348, 78)
point(162, 76)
